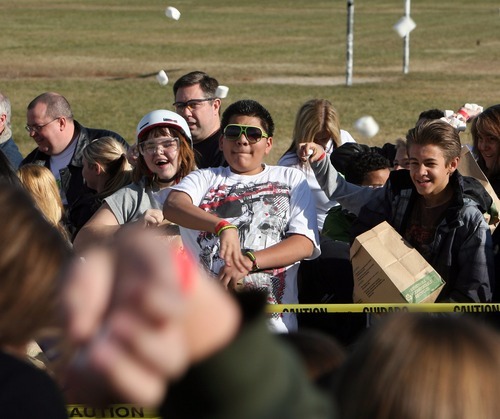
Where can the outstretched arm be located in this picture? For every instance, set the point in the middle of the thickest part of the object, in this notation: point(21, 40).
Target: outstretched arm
point(100, 228)
point(179, 208)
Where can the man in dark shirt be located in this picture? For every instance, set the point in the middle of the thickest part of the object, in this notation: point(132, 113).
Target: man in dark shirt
point(195, 100)
point(60, 141)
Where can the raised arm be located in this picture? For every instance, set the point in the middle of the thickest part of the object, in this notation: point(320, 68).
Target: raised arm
point(351, 197)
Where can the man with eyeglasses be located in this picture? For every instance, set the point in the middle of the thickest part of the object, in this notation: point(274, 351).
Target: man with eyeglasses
point(61, 140)
point(7, 144)
point(195, 100)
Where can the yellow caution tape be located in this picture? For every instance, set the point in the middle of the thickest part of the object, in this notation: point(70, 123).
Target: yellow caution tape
point(111, 411)
point(384, 308)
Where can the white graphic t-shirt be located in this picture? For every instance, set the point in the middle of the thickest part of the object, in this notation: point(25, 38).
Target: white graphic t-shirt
point(266, 208)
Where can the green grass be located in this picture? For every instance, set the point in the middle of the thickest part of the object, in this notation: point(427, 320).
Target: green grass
point(103, 55)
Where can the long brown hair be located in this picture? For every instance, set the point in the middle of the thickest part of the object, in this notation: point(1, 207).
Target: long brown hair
point(415, 366)
point(33, 255)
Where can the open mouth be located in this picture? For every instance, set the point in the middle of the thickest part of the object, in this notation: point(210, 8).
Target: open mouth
point(162, 162)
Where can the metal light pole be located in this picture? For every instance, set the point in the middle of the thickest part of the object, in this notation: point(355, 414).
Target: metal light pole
point(350, 42)
point(406, 42)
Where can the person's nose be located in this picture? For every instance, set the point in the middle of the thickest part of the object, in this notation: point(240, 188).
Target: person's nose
point(243, 139)
point(159, 150)
point(184, 111)
point(422, 170)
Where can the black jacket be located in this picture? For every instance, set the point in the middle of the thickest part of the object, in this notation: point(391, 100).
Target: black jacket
point(71, 176)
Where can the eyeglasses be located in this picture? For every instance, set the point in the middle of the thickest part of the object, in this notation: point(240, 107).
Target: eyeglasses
point(168, 144)
point(253, 134)
point(192, 104)
point(38, 128)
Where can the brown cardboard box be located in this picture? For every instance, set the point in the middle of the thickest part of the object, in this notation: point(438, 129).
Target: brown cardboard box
point(388, 270)
point(469, 167)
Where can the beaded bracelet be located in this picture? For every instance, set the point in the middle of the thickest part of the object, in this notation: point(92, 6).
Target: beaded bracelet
point(250, 255)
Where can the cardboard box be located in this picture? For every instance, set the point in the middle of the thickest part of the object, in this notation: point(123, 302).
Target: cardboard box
point(469, 167)
point(389, 270)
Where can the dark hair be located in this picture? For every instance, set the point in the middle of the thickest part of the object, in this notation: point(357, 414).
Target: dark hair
point(439, 133)
point(430, 114)
point(7, 172)
point(250, 108)
point(360, 164)
point(486, 125)
point(207, 84)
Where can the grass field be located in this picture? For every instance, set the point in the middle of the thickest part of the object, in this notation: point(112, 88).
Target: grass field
point(103, 56)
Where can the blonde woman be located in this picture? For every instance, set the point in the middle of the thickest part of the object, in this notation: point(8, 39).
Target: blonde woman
point(42, 186)
point(316, 121)
point(105, 170)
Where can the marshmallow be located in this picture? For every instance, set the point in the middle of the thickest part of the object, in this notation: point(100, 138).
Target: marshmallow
point(162, 78)
point(172, 13)
point(310, 152)
point(221, 92)
point(404, 26)
point(367, 126)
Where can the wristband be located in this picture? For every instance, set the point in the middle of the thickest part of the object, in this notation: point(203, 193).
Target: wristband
point(250, 255)
point(223, 225)
point(323, 155)
point(226, 228)
point(463, 113)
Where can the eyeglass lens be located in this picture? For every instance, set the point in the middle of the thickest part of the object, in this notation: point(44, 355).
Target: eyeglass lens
point(234, 132)
point(166, 145)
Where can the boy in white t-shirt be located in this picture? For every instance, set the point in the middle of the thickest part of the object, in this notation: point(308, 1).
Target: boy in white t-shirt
point(249, 223)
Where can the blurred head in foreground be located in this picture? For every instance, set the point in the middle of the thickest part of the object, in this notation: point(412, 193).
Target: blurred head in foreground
point(415, 366)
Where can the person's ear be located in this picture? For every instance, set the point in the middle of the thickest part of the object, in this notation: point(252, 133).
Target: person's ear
point(269, 145)
point(63, 122)
point(452, 166)
point(96, 167)
point(217, 105)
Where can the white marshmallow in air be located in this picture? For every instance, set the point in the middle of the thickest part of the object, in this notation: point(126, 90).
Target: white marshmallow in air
point(367, 126)
point(172, 13)
point(162, 78)
point(404, 26)
point(221, 92)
